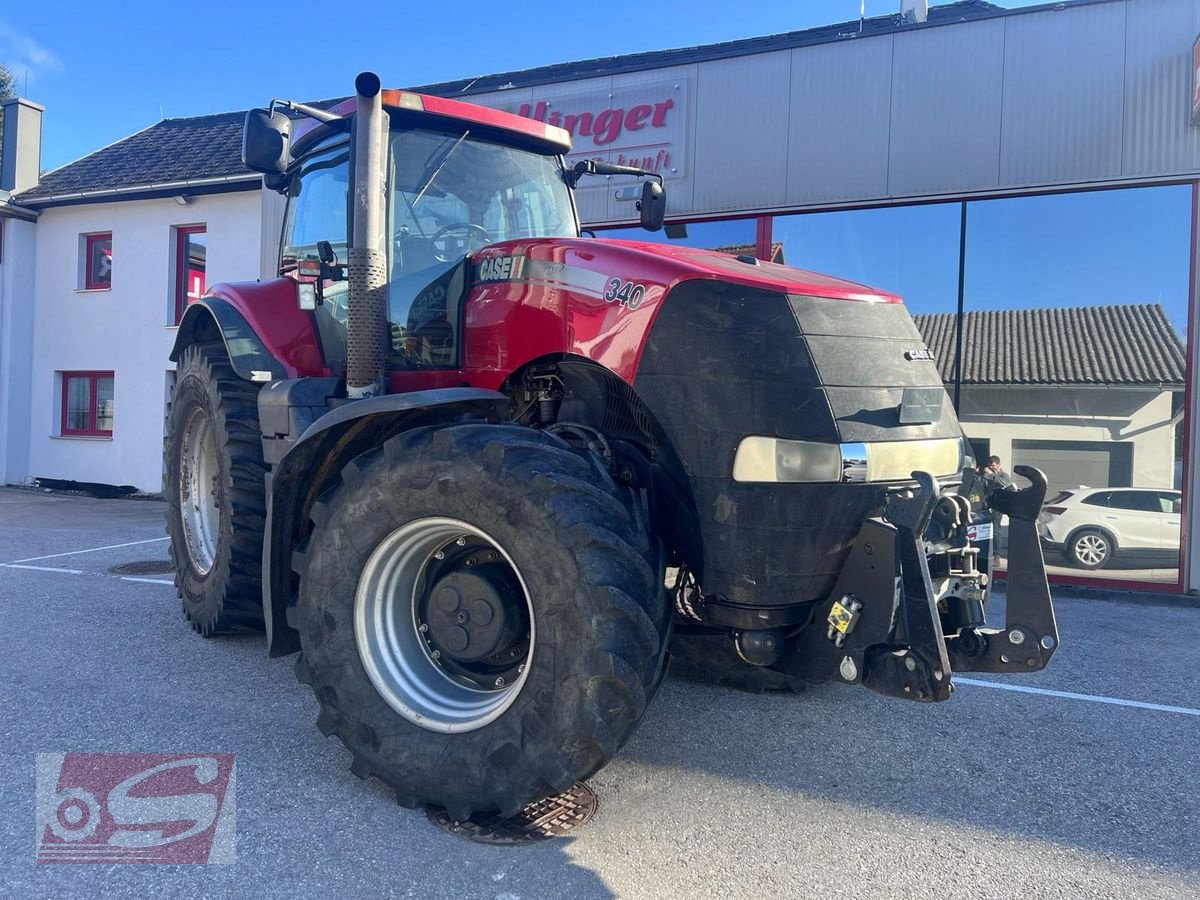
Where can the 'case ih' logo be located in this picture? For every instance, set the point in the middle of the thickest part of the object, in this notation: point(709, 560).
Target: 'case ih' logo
point(923, 353)
point(500, 268)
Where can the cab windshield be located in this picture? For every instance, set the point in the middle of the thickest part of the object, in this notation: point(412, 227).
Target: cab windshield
point(450, 194)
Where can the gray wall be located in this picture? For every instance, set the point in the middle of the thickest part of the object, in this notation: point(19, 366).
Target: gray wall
point(1091, 94)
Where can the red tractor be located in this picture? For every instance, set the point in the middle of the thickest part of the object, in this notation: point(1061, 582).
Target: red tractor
point(476, 467)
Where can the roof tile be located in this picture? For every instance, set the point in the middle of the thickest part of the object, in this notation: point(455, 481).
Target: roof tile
point(1096, 345)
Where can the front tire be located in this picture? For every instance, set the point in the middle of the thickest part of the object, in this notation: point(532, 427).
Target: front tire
point(1090, 549)
point(215, 493)
point(549, 643)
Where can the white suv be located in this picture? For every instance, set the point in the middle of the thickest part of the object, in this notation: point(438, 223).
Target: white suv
point(1090, 526)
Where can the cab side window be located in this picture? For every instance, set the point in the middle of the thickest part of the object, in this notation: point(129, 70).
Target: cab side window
point(317, 209)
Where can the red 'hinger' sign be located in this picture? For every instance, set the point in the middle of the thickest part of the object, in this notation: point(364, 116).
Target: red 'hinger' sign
point(642, 125)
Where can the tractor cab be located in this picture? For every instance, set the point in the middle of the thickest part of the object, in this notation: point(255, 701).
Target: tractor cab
point(457, 178)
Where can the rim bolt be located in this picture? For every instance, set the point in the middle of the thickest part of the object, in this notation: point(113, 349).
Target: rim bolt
point(499, 682)
point(441, 554)
point(521, 667)
point(512, 652)
point(462, 542)
point(436, 654)
point(493, 555)
point(470, 561)
point(422, 628)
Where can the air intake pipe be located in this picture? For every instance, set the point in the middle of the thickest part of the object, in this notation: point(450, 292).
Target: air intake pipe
point(366, 314)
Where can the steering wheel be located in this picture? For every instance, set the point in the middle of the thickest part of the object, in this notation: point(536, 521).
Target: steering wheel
point(444, 254)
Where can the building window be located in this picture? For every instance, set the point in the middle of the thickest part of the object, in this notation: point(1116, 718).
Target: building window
point(191, 246)
point(97, 261)
point(87, 404)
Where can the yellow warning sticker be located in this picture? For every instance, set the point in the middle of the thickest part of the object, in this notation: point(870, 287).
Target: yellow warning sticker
point(840, 617)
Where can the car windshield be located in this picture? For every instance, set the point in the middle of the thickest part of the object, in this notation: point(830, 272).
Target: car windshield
point(450, 194)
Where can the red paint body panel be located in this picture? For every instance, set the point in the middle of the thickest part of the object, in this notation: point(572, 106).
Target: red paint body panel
point(510, 323)
point(270, 308)
point(556, 306)
point(556, 139)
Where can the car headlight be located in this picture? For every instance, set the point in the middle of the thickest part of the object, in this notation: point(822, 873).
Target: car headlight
point(766, 459)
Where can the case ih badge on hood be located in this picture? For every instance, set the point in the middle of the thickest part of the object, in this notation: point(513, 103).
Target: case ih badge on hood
point(495, 463)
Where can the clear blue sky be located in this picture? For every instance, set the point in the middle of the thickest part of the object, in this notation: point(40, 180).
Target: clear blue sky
point(106, 73)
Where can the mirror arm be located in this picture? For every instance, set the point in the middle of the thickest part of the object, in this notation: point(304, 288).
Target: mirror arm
point(305, 110)
point(598, 167)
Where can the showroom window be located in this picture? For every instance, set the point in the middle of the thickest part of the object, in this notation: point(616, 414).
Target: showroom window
point(1058, 322)
point(87, 404)
point(97, 261)
point(191, 250)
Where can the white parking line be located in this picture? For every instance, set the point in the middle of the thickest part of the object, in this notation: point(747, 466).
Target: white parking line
point(148, 580)
point(1071, 695)
point(89, 550)
point(42, 569)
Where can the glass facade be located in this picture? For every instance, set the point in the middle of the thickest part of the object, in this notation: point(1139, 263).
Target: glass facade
point(1071, 319)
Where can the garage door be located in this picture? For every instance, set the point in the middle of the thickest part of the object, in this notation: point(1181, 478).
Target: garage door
point(1068, 464)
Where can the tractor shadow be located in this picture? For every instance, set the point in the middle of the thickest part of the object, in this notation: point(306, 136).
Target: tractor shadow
point(1076, 774)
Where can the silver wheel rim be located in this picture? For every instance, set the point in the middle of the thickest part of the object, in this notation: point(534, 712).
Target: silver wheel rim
point(198, 489)
point(1091, 549)
point(397, 654)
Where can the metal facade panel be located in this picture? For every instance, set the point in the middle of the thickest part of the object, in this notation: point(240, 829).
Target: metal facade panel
point(1063, 95)
point(657, 86)
point(946, 97)
point(1158, 87)
point(840, 118)
point(741, 145)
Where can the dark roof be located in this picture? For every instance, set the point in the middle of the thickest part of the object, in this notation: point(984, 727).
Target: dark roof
point(1089, 345)
point(170, 151)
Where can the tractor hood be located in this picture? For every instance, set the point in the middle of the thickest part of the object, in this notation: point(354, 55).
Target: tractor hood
point(595, 262)
point(691, 262)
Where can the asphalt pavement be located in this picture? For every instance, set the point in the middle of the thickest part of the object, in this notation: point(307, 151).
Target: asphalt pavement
point(834, 793)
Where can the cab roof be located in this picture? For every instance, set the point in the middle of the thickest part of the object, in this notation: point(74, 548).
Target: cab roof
point(545, 138)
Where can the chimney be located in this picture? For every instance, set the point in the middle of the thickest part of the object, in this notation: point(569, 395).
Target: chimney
point(914, 12)
point(21, 155)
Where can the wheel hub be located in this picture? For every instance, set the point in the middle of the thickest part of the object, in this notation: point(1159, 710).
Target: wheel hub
point(474, 613)
point(444, 624)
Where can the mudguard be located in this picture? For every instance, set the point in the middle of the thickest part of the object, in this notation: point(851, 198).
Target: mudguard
point(313, 465)
point(248, 355)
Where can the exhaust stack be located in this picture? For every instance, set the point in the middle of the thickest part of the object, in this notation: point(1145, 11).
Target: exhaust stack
point(366, 315)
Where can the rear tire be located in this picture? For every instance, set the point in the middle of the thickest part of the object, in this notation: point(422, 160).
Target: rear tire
point(215, 493)
point(1090, 548)
point(588, 610)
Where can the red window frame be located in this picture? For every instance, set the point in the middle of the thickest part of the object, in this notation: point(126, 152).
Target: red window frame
point(181, 266)
point(92, 430)
point(89, 282)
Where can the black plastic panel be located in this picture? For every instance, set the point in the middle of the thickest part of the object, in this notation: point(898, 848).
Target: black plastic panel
point(723, 362)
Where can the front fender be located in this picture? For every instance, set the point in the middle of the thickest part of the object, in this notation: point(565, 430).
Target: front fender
point(262, 327)
point(314, 463)
point(211, 318)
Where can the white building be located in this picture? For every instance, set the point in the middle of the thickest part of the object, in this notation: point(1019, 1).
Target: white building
point(751, 137)
point(123, 238)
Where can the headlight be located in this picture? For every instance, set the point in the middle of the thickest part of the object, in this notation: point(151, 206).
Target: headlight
point(767, 459)
point(772, 459)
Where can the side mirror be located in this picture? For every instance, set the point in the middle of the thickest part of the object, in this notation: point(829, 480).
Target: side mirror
point(653, 205)
point(266, 141)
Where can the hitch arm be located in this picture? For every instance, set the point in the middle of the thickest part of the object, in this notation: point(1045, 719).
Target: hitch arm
point(1030, 634)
